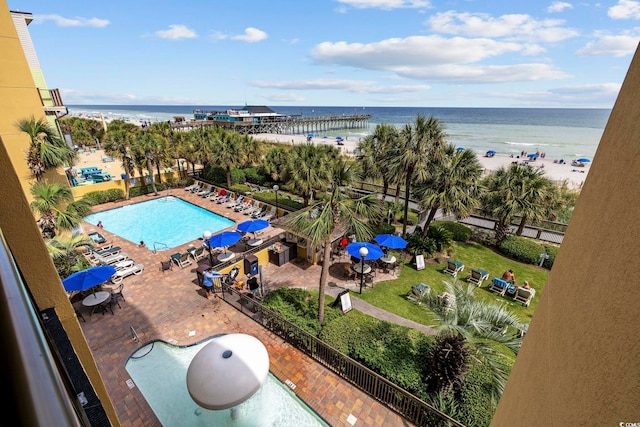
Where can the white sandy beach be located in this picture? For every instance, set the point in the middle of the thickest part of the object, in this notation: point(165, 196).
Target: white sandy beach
point(574, 176)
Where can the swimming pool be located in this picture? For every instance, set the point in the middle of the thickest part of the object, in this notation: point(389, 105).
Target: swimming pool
point(166, 222)
point(159, 370)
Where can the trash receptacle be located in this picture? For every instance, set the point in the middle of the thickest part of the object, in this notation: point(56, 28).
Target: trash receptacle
point(251, 265)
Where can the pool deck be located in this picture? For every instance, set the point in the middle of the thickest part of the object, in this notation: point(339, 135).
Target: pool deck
point(170, 306)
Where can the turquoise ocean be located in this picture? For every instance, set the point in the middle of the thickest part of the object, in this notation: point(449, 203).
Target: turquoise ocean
point(558, 132)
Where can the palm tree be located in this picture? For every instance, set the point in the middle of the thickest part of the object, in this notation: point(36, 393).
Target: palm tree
point(49, 199)
point(274, 162)
point(46, 149)
point(452, 185)
point(482, 325)
point(517, 191)
point(376, 149)
point(64, 251)
point(307, 170)
point(338, 212)
point(118, 142)
point(149, 148)
point(420, 142)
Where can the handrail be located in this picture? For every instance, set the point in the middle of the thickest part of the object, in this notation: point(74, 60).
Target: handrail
point(394, 397)
point(155, 248)
point(134, 335)
point(32, 380)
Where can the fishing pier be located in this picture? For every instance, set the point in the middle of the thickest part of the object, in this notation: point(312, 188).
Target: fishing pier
point(277, 124)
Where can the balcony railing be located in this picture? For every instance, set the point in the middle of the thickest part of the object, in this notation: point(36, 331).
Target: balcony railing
point(397, 399)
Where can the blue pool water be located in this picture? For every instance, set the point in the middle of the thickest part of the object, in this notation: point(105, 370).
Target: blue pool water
point(166, 222)
point(159, 370)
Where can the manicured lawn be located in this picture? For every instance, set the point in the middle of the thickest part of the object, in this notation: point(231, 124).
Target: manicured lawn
point(391, 294)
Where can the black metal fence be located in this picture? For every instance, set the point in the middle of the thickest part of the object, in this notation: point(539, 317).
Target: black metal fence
point(397, 399)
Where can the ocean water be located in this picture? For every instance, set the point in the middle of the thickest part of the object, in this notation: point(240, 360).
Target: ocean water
point(558, 132)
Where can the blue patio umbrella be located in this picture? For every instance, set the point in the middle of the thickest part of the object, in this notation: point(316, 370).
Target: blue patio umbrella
point(253, 225)
point(226, 238)
point(583, 160)
point(390, 241)
point(375, 252)
point(87, 279)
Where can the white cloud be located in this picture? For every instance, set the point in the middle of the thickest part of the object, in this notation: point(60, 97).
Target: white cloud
point(386, 4)
point(512, 27)
point(352, 86)
point(466, 74)
point(614, 45)
point(625, 9)
point(72, 96)
point(176, 32)
point(559, 6)
point(61, 21)
point(410, 51)
point(251, 35)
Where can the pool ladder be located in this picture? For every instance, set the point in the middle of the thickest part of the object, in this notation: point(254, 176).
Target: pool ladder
point(134, 335)
point(155, 246)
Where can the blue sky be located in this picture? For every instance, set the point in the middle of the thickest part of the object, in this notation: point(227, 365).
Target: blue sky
point(456, 53)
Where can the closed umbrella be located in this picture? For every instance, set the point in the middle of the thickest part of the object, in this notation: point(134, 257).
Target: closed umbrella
point(87, 279)
point(390, 241)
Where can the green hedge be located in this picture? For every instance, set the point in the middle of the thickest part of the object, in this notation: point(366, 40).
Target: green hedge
point(474, 407)
point(459, 232)
point(100, 197)
point(521, 249)
point(552, 251)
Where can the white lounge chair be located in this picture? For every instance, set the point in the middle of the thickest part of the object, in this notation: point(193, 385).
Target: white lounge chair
point(268, 215)
point(109, 260)
point(193, 186)
point(478, 276)
point(121, 274)
point(252, 209)
point(260, 212)
point(242, 206)
point(235, 202)
point(524, 296)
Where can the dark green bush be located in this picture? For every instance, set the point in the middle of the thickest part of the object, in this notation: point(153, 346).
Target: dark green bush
point(521, 249)
point(99, 197)
point(393, 351)
point(253, 176)
point(552, 251)
point(237, 176)
point(383, 228)
point(474, 405)
point(145, 189)
point(459, 232)
point(215, 174)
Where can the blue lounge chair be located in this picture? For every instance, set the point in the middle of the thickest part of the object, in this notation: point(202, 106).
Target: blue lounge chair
point(499, 286)
point(478, 276)
point(454, 267)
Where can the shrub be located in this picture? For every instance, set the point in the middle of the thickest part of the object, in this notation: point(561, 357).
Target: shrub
point(459, 232)
point(521, 249)
point(383, 228)
point(99, 197)
point(441, 238)
point(474, 403)
point(237, 176)
point(552, 251)
point(253, 176)
point(215, 174)
point(145, 189)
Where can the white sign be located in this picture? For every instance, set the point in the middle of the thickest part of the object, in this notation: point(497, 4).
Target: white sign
point(420, 262)
point(345, 301)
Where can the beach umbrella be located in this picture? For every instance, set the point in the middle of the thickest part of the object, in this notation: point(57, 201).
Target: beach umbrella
point(253, 225)
point(491, 152)
point(310, 135)
point(339, 138)
point(224, 239)
point(390, 241)
point(583, 160)
point(533, 156)
point(460, 149)
point(375, 252)
point(86, 279)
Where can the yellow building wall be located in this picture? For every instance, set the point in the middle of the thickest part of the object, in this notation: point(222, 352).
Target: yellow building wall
point(580, 361)
point(19, 99)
